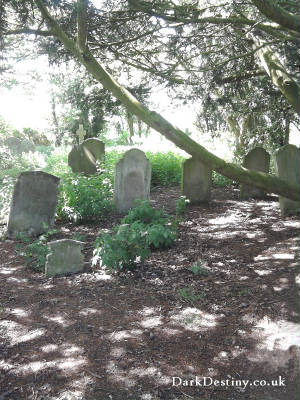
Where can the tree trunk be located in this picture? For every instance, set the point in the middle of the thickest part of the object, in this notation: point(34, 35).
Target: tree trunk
point(130, 125)
point(280, 78)
point(154, 120)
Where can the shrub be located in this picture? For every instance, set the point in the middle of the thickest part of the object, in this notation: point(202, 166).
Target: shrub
point(83, 198)
point(36, 252)
point(124, 249)
point(143, 212)
point(220, 180)
point(143, 229)
point(166, 168)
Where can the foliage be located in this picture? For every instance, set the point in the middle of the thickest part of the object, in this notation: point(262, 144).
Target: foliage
point(166, 168)
point(36, 252)
point(143, 229)
point(122, 250)
point(190, 295)
point(84, 198)
point(220, 180)
point(181, 205)
point(199, 269)
point(144, 213)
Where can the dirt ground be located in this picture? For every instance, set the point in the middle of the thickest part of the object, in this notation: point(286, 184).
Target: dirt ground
point(162, 332)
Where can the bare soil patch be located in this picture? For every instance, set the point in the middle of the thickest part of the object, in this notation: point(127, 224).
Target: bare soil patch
point(101, 336)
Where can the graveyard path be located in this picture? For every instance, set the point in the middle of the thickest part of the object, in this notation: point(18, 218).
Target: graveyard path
point(98, 336)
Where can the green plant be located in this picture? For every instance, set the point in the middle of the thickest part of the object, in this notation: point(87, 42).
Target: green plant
point(83, 198)
point(190, 295)
point(78, 236)
point(143, 212)
point(161, 230)
point(161, 235)
point(166, 168)
point(35, 253)
point(181, 205)
point(220, 180)
point(124, 249)
point(143, 229)
point(244, 292)
point(198, 269)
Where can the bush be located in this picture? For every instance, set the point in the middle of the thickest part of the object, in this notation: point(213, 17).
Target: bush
point(122, 250)
point(143, 212)
point(36, 252)
point(161, 231)
point(143, 229)
point(83, 198)
point(220, 180)
point(166, 168)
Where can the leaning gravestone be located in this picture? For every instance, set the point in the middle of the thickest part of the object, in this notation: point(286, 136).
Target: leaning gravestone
point(33, 205)
point(84, 157)
point(287, 164)
point(196, 181)
point(132, 179)
point(258, 159)
point(65, 257)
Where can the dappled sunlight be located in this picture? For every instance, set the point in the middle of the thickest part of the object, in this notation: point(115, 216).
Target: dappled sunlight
point(278, 335)
point(59, 319)
point(8, 271)
point(125, 334)
point(20, 312)
point(278, 345)
point(16, 333)
point(151, 322)
point(194, 320)
point(262, 272)
point(16, 280)
point(89, 311)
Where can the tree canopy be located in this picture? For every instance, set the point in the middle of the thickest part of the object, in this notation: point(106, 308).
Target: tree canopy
point(177, 43)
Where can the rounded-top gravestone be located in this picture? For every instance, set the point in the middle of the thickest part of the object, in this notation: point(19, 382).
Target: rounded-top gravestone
point(84, 157)
point(33, 205)
point(132, 179)
point(196, 181)
point(287, 164)
point(258, 159)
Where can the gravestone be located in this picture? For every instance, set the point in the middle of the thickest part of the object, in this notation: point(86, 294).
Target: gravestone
point(65, 257)
point(287, 164)
point(19, 146)
point(258, 159)
point(84, 157)
point(196, 181)
point(132, 179)
point(33, 205)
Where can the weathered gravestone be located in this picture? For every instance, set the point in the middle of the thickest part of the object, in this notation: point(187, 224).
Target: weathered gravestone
point(33, 205)
point(65, 257)
point(196, 181)
point(258, 159)
point(287, 164)
point(84, 157)
point(17, 145)
point(132, 179)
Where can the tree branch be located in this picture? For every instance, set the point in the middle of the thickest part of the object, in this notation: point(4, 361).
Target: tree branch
point(238, 78)
point(28, 31)
point(82, 24)
point(277, 14)
point(154, 120)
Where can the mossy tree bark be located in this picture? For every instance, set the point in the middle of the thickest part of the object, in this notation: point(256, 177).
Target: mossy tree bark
point(154, 120)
